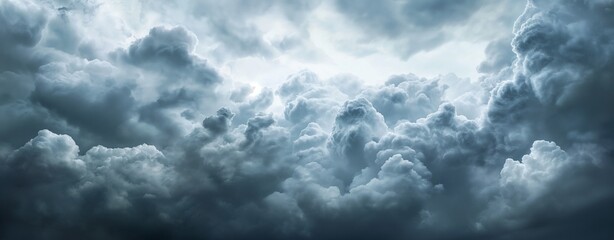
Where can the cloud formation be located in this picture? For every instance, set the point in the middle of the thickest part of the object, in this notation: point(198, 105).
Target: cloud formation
point(397, 23)
point(148, 139)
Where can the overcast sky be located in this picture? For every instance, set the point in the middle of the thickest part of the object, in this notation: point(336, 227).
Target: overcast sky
point(331, 119)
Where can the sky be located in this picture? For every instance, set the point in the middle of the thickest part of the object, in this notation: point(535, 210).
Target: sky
point(323, 119)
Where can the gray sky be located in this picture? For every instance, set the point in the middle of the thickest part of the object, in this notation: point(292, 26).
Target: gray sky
point(341, 119)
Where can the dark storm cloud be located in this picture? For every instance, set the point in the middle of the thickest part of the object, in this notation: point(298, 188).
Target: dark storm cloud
point(49, 85)
point(239, 35)
point(161, 114)
point(183, 80)
point(19, 29)
point(73, 93)
point(499, 55)
point(562, 75)
point(137, 150)
point(400, 22)
point(562, 51)
point(419, 14)
point(169, 51)
point(172, 46)
point(498, 65)
point(220, 123)
point(22, 24)
point(528, 187)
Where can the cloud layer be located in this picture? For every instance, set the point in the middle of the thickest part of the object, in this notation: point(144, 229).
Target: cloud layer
point(141, 137)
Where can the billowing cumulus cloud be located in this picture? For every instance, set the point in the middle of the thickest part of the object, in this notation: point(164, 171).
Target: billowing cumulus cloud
point(140, 134)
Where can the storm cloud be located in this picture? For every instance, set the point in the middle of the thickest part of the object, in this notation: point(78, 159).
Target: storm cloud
point(126, 134)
